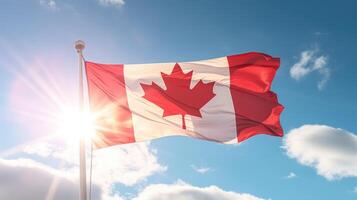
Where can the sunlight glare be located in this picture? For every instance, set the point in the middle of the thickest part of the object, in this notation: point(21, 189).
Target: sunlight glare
point(73, 124)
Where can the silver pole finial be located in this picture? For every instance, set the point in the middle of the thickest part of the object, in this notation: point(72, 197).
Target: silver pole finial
point(79, 45)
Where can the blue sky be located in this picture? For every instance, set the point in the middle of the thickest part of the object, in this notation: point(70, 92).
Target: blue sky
point(315, 40)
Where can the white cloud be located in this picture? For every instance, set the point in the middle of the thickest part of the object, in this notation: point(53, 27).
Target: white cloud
point(126, 164)
point(116, 3)
point(331, 151)
point(355, 190)
point(201, 170)
point(184, 191)
point(309, 62)
point(291, 175)
point(51, 4)
point(26, 179)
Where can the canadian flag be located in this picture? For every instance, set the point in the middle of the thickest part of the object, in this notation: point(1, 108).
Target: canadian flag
point(225, 99)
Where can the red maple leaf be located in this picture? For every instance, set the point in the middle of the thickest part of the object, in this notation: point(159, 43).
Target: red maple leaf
point(178, 98)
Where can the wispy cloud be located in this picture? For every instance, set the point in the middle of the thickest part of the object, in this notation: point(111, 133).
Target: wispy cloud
point(291, 175)
point(318, 33)
point(182, 190)
point(311, 61)
point(331, 151)
point(201, 170)
point(116, 3)
point(51, 4)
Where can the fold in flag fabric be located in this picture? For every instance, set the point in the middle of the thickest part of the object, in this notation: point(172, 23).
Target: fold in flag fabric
point(225, 99)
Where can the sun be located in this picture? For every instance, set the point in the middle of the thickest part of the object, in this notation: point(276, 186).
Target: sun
point(73, 124)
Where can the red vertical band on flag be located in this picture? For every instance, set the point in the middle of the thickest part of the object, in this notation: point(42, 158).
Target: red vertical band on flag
point(257, 108)
point(109, 104)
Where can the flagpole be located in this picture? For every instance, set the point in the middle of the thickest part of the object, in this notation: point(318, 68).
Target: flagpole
point(79, 45)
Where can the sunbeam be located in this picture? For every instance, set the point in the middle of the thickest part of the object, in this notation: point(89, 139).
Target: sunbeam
point(43, 100)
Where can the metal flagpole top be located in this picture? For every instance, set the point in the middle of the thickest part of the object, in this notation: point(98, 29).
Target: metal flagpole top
point(79, 45)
